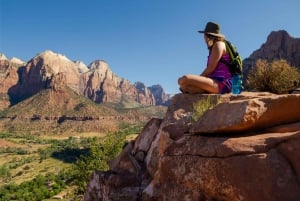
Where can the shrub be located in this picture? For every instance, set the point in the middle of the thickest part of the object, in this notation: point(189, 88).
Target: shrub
point(4, 171)
point(202, 105)
point(275, 77)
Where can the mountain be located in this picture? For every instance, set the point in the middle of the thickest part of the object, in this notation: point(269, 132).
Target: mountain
point(160, 95)
point(59, 109)
point(100, 84)
point(35, 75)
point(279, 45)
point(2, 57)
point(52, 94)
point(20, 80)
point(96, 81)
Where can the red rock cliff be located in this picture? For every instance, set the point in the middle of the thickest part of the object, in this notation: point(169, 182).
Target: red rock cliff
point(244, 149)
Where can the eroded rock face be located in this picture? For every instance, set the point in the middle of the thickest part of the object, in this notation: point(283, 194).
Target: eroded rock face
point(8, 78)
point(100, 84)
point(178, 159)
point(279, 45)
point(21, 80)
point(160, 96)
point(38, 72)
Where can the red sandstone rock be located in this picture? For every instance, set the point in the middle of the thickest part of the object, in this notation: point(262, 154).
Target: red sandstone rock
point(258, 161)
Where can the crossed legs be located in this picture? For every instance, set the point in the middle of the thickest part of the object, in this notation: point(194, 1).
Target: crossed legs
point(197, 84)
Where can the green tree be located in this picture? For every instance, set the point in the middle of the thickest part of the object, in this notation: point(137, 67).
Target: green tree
point(98, 158)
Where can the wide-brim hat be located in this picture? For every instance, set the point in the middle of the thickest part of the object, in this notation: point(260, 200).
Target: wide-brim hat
point(214, 29)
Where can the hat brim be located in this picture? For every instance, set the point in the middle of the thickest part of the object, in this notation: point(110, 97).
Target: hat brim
point(213, 34)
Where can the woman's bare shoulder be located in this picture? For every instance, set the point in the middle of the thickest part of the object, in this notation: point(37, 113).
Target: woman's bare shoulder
point(220, 46)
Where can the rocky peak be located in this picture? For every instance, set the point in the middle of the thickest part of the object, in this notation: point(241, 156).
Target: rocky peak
point(102, 85)
point(160, 96)
point(278, 37)
point(97, 81)
point(102, 69)
point(279, 45)
point(245, 148)
point(35, 75)
point(99, 65)
point(82, 68)
point(17, 61)
point(50, 55)
point(141, 88)
point(2, 57)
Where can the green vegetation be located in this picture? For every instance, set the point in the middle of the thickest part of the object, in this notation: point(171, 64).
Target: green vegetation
point(50, 167)
point(275, 77)
point(68, 112)
point(203, 105)
point(99, 155)
point(41, 187)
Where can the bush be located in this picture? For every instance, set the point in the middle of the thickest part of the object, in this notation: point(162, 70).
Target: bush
point(4, 171)
point(203, 105)
point(275, 77)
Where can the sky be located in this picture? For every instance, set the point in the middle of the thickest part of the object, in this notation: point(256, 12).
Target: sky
point(151, 41)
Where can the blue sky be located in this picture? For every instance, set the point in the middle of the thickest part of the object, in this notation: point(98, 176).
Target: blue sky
point(152, 41)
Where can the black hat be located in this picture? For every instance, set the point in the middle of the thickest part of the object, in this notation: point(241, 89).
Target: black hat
point(212, 29)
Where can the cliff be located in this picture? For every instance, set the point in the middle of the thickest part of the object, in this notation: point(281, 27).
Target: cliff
point(100, 84)
point(245, 148)
point(279, 45)
point(97, 81)
point(58, 109)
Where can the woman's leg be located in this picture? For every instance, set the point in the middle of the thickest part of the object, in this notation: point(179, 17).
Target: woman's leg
point(197, 84)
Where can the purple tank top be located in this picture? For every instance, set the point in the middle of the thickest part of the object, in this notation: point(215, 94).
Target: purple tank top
point(221, 71)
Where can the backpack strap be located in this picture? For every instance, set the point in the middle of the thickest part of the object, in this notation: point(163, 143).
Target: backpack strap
point(229, 50)
point(222, 60)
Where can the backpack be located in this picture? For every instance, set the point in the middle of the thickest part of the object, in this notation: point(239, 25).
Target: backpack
point(236, 64)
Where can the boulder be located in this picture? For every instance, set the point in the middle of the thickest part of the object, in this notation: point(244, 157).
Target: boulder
point(245, 148)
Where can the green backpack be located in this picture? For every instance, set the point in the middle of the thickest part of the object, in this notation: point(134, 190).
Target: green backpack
point(236, 64)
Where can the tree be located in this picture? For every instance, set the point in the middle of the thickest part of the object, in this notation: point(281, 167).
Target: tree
point(97, 159)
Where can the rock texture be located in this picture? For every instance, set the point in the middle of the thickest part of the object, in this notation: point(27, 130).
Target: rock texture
point(161, 97)
point(243, 149)
point(37, 73)
point(100, 84)
point(8, 75)
point(8, 78)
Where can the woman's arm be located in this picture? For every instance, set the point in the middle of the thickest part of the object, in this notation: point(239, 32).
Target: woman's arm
point(216, 54)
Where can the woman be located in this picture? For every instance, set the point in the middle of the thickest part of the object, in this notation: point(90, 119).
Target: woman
point(216, 77)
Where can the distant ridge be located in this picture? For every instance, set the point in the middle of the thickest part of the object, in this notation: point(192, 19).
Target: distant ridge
point(59, 109)
point(96, 81)
point(52, 95)
point(279, 45)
